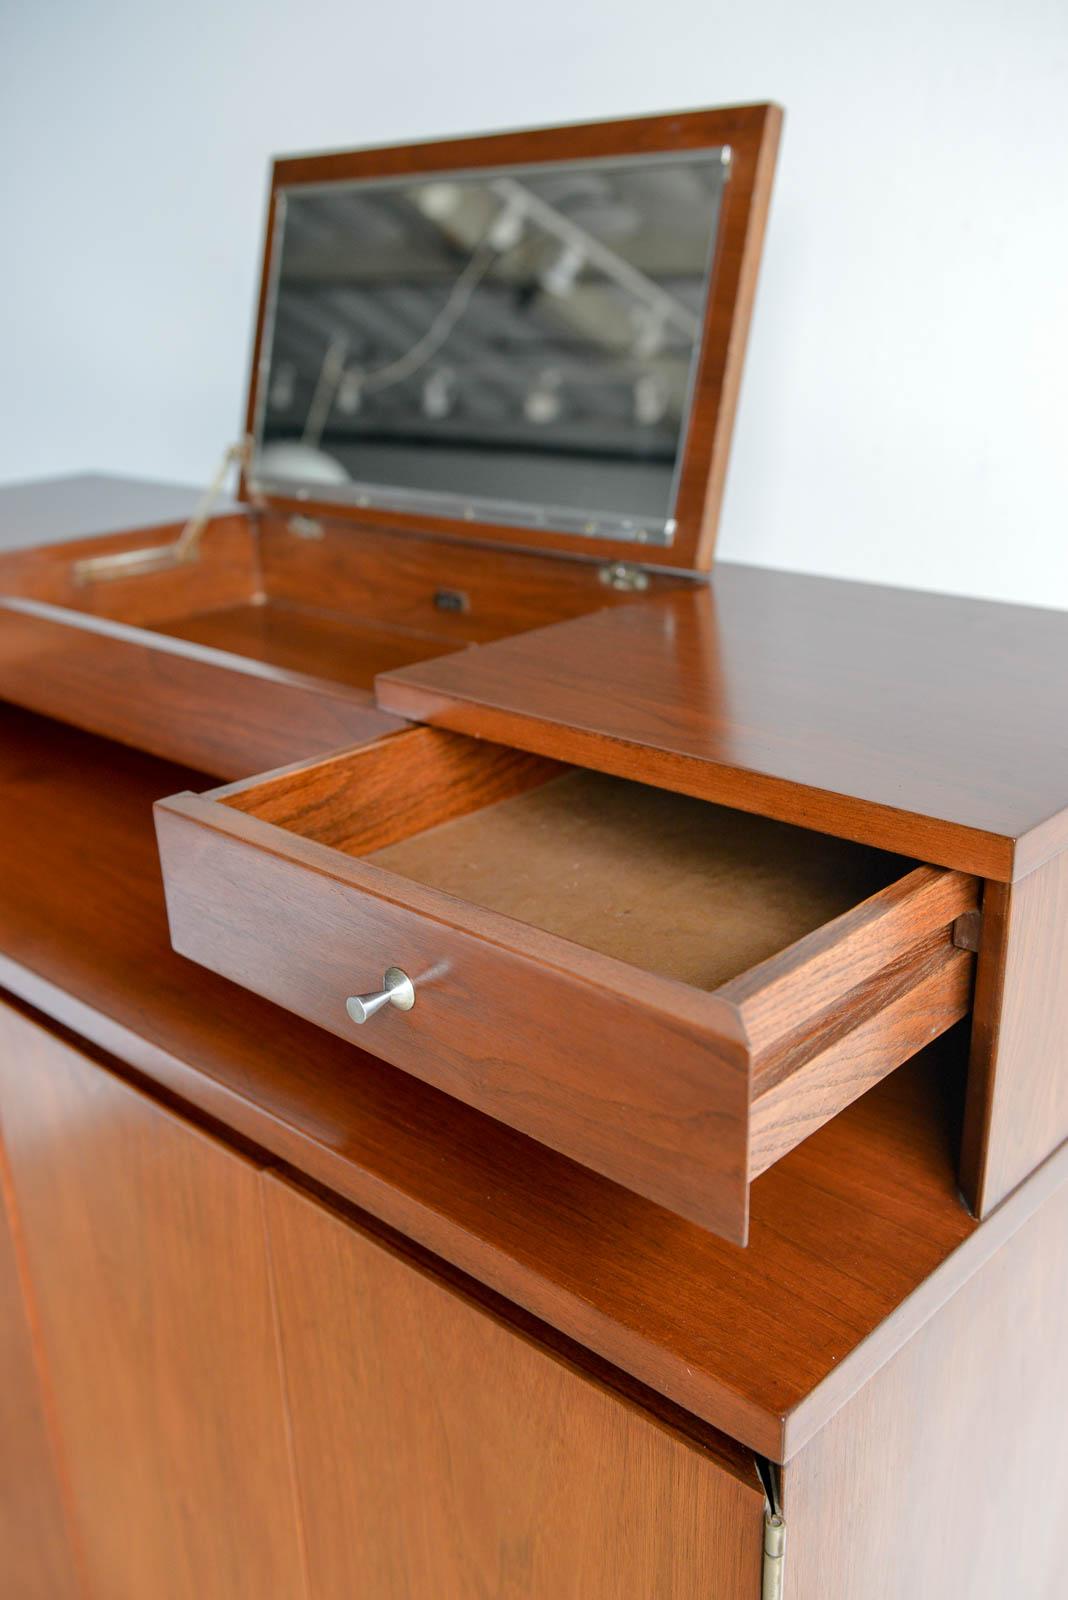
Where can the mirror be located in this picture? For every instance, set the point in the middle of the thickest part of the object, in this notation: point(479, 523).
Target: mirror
point(513, 345)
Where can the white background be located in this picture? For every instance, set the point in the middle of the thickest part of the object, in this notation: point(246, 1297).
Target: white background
point(904, 415)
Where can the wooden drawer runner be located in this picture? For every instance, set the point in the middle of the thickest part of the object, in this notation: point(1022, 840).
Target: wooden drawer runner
point(670, 992)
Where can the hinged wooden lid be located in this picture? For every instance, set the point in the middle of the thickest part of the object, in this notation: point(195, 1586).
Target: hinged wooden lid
point(533, 339)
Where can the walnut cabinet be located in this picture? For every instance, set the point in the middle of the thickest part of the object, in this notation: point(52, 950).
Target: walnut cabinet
point(251, 1396)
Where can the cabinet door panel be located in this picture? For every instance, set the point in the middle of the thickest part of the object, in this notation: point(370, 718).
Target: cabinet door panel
point(147, 1263)
point(441, 1453)
point(36, 1559)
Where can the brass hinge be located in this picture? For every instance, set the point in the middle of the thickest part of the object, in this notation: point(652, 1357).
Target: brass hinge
point(774, 1555)
point(774, 1561)
point(624, 575)
point(305, 527)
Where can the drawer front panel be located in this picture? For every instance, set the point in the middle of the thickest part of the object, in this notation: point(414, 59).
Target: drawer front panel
point(640, 1078)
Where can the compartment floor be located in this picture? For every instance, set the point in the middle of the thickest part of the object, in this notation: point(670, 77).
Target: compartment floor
point(677, 886)
point(299, 640)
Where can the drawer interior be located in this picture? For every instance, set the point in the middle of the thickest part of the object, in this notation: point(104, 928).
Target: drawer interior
point(677, 886)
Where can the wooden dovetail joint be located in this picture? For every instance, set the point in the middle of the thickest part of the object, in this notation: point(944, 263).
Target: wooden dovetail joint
point(966, 930)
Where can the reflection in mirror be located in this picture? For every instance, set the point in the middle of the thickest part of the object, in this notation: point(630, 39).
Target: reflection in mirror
point(514, 345)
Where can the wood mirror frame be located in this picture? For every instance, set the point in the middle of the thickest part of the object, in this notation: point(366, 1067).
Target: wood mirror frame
point(752, 132)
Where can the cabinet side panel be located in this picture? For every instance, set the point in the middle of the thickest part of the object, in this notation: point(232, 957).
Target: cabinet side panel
point(947, 1474)
point(1018, 1088)
point(442, 1453)
point(146, 1254)
point(36, 1557)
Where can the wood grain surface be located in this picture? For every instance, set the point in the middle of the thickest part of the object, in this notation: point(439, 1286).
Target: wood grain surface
point(441, 1453)
point(400, 579)
point(353, 802)
point(326, 645)
point(552, 1039)
point(1018, 1105)
point(566, 995)
point(915, 722)
point(676, 886)
point(38, 1558)
point(265, 647)
point(885, 1022)
point(228, 714)
point(146, 1254)
point(224, 574)
point(945, 1475)
point(762, 1343)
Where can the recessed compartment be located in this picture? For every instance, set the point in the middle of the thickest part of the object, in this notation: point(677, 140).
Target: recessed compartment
point(263, 648)
point(669, 991)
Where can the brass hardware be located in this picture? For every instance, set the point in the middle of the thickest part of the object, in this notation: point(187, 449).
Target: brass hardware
point(774, 1555)
point(305, 527)
point(771, 1583)
point(161, 557)
point(397, 990)
point(625, 576)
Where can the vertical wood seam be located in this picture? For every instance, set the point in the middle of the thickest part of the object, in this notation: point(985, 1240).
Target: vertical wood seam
point(987, 1008)
point(49, 1408)
point(283, 1384)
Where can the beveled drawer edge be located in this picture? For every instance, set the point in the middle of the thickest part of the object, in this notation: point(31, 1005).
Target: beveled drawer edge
point(850, 950)
point(921, 1000)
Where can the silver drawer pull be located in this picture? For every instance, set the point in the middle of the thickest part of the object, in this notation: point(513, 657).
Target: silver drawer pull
point(397, 990)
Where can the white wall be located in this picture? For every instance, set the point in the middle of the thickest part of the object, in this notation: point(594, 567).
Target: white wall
point(905, 411)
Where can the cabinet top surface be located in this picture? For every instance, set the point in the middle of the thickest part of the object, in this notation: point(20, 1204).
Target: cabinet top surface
point(843, 1230)
point(921, 723)
point(924, 724)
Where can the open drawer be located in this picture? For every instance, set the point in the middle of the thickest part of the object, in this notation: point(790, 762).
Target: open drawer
point(669, 991)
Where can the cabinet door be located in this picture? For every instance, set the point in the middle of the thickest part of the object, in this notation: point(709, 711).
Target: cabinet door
point(36, 1561)
point(440, 1453)
point(147, 1266)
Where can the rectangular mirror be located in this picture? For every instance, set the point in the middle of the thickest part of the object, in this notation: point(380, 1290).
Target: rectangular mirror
point(514, 346)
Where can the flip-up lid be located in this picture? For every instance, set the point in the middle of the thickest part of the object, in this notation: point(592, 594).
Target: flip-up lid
point(532, 339)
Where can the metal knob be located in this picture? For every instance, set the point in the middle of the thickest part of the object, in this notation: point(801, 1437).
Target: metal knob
point(397, 990)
